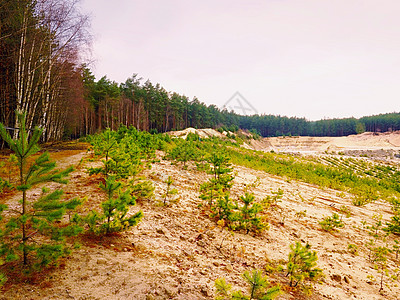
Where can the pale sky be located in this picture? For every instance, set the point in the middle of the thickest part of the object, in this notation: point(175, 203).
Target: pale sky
point(306, 58)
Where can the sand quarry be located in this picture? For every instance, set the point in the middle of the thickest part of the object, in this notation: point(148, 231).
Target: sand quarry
point(175, 252)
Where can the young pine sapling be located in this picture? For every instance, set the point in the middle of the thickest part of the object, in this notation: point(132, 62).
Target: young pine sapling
point(247, 215)
point(114, 216)
point(332, 223)
point(302, 265)
point(32, 230)
point(170, 192)
point(258, 288)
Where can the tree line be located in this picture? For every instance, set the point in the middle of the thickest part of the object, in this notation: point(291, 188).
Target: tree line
point(42, 75)
point(150, 107)
point(270, 125)
point(41, 44)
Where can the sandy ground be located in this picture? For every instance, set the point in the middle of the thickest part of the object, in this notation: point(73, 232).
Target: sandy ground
point(175, 252)
point(365, 141)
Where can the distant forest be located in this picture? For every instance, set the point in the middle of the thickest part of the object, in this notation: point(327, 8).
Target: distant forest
point(41, 73)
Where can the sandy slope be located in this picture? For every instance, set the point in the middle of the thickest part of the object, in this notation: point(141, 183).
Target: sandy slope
point(174, 252)
point(365, 141)
point(388, 142)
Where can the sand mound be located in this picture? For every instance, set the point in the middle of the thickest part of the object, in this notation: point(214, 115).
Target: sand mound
point(203, 133)
point(365, 141)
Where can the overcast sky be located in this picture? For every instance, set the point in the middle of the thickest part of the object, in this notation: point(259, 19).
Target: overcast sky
point(306, 58)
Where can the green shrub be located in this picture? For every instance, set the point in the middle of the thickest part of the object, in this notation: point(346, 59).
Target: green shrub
point(183, 152)
point(114, 210)
point(258, 288)
point(353, 249)
point(394, 225)
point(247, 216)
point(32, 229)
point(332, 223)
point(302, 265)
point(170, 192)
point(142, 190)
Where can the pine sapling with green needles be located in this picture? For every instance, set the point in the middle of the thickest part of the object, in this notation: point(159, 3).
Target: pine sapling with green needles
point(393, 226)
point(142, 190)
point(377, 233)
point(221, 168)
point(258, 288)
point(114, 210)
point(380, 263)
point(247, 215)
point(302, 265)
point(103, 144)
point(332, 223)
point(183, 152)
point(170, 191)
point(217, 187)
point(211, 190)
point(32, 230)
point(223, 209)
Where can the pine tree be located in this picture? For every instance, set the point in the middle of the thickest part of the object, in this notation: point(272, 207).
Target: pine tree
point(103, 144)
point(32, 229)
point(169, 192)
point(247, 214)
point(258, 288)
point(221, 168)
point(184, 151)
point(394, 225)
point(332, 223)
point(218, 186)
point(115, 208)
point(302, 264)
point(211, 190)
point(224, 210)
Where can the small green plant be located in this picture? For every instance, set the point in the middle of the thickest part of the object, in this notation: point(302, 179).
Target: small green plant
point(212, 190)
point(169, 192)
point(3, 279)
point(5, 185)
point(221, 169)
point(353, 249)
point(332, 223)
point(395, 202)
point(258, 288)
point(363, 196)
point(377, 233)
point(380, 263)
point(32, 228)
point(184, 151)
point(142, 190)
point(345, 210)
point(302, 265)
point(247, 217)
point(224, 210)
point(114, 216)
point(217, 187)
point(103, 144)
point(393, 226)
point(275, 198)
point(301, 214)
point(359, 201)
point(396, 248)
